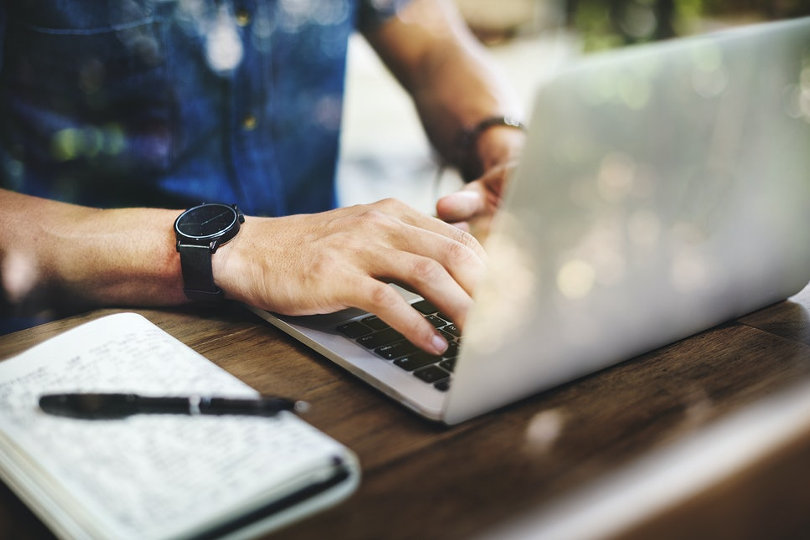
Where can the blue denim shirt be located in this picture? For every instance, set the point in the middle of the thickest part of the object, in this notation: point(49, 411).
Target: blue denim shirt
point(173, 102)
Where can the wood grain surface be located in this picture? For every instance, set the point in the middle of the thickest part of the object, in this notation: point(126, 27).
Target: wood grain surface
point(423, 480)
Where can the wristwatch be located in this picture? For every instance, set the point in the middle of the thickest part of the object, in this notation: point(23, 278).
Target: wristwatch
point(199, 232)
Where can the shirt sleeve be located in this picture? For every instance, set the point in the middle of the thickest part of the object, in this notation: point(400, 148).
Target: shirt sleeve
point(372, 13)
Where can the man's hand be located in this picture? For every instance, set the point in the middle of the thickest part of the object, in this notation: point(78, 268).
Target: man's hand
point(431, 51)
point(473, 207)
point(295, 265)
point(321, 263)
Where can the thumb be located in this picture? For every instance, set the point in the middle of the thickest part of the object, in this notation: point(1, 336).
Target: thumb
point(460, 206)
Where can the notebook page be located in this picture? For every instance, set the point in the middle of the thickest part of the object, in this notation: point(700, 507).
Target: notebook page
point(149, 476)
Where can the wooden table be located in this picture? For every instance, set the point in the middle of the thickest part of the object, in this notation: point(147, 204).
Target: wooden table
point(553, 458)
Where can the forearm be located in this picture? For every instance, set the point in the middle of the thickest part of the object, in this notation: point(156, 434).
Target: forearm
point(297, 265)
point(453, 84)
point(457, 90)
point(52, 252)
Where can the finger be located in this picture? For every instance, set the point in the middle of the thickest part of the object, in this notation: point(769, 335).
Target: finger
point(376, 229)
point(382, 300)
point(461, 262)
point(430, 279)
point(423, 221)
point(462, 225)
point(460, 206)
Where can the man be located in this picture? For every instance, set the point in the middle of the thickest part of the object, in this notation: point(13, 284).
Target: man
point(139, 106)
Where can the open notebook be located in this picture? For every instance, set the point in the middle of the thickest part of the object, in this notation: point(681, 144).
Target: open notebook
point(156, 476)
point(663, 189)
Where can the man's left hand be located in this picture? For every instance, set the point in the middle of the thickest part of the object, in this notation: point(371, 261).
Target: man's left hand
point(473, 207)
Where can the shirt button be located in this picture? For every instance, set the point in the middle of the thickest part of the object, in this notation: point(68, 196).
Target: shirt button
point(249, 122)
point(242, 17)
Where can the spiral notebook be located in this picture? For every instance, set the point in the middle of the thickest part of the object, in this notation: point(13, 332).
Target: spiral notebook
point(156, 476)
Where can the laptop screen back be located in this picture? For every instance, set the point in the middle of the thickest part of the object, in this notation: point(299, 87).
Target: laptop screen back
point(663, 190)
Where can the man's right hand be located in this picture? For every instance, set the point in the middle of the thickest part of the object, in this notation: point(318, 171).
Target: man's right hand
point(321, 263)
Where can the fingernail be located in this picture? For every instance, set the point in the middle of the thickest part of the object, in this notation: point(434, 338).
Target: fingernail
point(439, 344)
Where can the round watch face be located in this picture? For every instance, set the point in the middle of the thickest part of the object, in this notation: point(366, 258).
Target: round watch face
point(206, 221)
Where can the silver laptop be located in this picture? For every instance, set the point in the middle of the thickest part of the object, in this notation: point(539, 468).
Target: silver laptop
point(664, 189)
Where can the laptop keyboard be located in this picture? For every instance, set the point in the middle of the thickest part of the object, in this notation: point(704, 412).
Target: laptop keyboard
point(374, 334)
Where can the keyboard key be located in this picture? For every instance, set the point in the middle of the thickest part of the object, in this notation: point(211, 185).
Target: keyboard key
point(447, 335)
point(416, 361)
point(354, 329)
point(442, 386)
point(452, 329)
point(373, 333)
point(452, 350)
point(431, 374)
point(378, 339)
point(395, 350)
point(436, 321)
point(449, 364)
point(375, 323)
point(424, 307)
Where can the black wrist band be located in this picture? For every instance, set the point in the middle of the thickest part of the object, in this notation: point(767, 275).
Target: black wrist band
point(469, 164)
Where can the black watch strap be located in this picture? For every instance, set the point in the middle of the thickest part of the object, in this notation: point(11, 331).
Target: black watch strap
point(198, 276)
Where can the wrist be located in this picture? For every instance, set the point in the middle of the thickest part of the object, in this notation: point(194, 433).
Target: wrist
point(493, 141)
point(109, 263)
point(499, 145)
point(200, 232)
point(226, 265)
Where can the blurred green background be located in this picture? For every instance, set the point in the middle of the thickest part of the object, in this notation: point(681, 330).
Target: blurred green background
point(610, 23)
point(602, 24)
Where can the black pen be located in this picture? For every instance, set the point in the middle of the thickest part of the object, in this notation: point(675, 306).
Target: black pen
point(106, 406)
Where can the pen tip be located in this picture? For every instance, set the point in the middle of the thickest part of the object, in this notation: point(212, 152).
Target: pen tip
point(301, 406)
